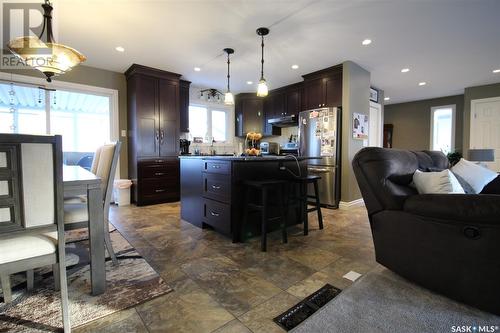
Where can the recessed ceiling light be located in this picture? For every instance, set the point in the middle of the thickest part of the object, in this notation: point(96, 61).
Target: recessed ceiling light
point(120, 49)
point(295, 66)
point(197, 69)
point(366, 42)
point(422, 83)
point(249, 82)
point(387, 98)
point(496, 71)
point(405, 70)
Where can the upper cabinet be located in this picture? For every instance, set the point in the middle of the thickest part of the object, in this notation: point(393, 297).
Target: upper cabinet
point(153, 110)
point(184, 105)
point(322, 89)
point(249, 114)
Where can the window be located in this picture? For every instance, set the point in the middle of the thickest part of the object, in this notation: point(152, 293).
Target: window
point(82, 118)
point(443, 128)
point(208, 123)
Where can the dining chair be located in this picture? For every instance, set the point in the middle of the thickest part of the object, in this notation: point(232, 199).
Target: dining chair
point(76, 211)
point(31, 211)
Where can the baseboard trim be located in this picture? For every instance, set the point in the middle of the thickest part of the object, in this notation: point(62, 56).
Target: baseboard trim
point(355, 203)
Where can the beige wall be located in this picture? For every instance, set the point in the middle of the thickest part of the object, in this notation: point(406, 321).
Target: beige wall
point(98, 78)
point(355, 99)
point(471, 93)
point(412, 122)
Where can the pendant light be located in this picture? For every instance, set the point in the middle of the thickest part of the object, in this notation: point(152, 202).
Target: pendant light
point(48, 57)
point(262, 88)
point(228, 96)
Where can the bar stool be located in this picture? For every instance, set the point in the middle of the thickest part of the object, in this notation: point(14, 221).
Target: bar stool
point(303, 197)
point(264, 187)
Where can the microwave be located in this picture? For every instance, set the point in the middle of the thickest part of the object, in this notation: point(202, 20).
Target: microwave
point(269, 148)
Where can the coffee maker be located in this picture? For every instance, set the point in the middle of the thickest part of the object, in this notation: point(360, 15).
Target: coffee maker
point(184, 145)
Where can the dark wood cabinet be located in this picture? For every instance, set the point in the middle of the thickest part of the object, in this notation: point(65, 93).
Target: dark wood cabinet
point(249, 112)
point(322, 89)
point(153, 121)
point(293, 96)
point(184, 105)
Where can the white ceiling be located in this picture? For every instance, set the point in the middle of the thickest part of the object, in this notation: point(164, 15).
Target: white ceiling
point(450, 44)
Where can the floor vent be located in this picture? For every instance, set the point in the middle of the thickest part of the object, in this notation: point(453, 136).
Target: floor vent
point(301, 311)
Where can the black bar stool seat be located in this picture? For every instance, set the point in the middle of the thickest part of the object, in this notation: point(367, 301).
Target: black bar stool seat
point(303, 183)
point(264, 187)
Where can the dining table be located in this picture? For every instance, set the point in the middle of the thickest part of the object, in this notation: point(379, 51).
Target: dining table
point(79, 181)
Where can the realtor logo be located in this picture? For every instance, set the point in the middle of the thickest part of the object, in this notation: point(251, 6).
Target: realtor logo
point(474, 329)
point(20, 19)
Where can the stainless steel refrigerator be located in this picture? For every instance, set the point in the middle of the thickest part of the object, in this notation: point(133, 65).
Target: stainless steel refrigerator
point(319, 136)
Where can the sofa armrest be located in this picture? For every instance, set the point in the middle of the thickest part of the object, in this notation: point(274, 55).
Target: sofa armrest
point(471, 208)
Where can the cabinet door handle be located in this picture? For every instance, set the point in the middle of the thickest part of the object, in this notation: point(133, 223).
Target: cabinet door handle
point(160, 190)
point(216, 187)
point(157, 135)
point(159, 173)
point(162, 136)
point(216, 166)
point(214, 214)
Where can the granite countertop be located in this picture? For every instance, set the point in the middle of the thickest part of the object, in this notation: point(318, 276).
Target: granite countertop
point(268, 158)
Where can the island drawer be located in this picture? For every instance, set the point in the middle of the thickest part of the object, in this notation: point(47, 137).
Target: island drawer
point(217, 187)
point(220, 167)
point(217, 215)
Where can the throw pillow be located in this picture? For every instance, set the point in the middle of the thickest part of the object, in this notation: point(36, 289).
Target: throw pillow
point(443, 182)
point(476, 175)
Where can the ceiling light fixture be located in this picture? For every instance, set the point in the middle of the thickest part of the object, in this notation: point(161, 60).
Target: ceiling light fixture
point(48, 57)
point(120, 49)
point(387, 98)
point(422, 83)
point(249, 82)
point(262, 88)
point(496, 71)
point(197, 69)
point(228, 96)
point(405, 70)
point(295, 66)
point(366, 42)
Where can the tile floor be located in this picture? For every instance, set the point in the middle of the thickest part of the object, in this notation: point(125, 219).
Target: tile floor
point(224, 287)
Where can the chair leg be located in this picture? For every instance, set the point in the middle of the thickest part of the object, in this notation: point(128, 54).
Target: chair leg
point(57, 281)
point(30, 279)
point(303, 196)
point(284, 202)
point(263, 229)
point(64, 296)
point(318, 206)
point(245, 217)
point(109, 245)
point(7, 293)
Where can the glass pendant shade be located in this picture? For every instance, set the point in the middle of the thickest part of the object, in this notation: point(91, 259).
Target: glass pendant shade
point(262, 89)
point(229, 98)
point(52, 59)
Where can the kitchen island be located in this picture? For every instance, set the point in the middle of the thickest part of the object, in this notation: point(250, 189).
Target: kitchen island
point(212, 190)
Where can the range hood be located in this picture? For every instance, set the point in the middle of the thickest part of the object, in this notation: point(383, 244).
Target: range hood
point(285, 121)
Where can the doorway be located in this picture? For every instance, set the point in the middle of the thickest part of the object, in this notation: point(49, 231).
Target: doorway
point(485, 127)
point(375, 125)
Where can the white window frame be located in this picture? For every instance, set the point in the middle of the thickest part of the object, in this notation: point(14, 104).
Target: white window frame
point(229, 115)
point(453, 108)
point(72, 87)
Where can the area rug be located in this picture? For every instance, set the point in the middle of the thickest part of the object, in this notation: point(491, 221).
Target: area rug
point(130, 283)
point(381, 301)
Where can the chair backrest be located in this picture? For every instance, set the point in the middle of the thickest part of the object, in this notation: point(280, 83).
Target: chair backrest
point(384, 175)
point(31, 183)
point(106, 169)
point(95, 161)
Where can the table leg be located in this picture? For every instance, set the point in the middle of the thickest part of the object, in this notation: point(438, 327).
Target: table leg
point(96, 239)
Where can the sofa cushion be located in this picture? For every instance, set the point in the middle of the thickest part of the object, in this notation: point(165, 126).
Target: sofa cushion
point(477, 176)
point(492, 187)
point(436, 182)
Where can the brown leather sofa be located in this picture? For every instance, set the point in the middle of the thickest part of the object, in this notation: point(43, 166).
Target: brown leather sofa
point(448, 243)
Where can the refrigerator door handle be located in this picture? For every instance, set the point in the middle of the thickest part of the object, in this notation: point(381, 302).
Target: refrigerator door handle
point(318, 170)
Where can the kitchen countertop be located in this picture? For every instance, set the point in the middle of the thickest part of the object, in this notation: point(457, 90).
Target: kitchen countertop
point(269, 158)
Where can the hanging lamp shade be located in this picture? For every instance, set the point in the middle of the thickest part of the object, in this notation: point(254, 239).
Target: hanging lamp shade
point(50, 58)
point(228, 96)
point(262, 88)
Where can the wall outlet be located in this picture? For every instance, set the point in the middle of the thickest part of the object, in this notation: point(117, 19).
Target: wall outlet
point(123, 133)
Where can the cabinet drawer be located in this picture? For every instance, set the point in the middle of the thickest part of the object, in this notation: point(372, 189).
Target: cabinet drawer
point(159, 187)
point(217, 187)
point(219, 167)
point(217, 215)
point(159, 171)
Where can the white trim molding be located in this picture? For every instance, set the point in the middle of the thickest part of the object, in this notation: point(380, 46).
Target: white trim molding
point(351, 204)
